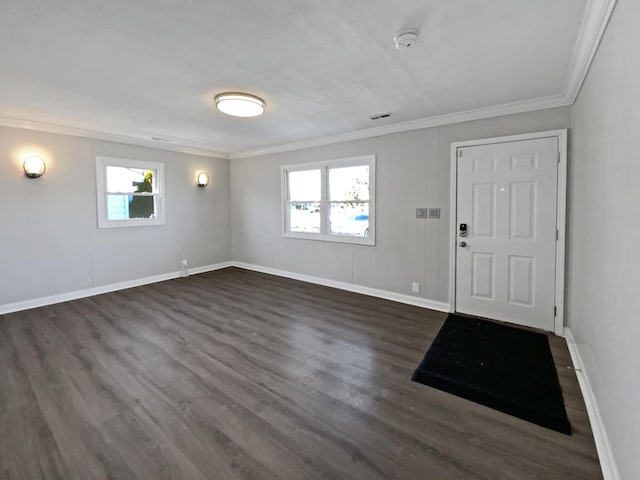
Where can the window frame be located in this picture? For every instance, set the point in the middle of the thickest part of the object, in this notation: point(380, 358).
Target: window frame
point(325, 203)
point(102, 163)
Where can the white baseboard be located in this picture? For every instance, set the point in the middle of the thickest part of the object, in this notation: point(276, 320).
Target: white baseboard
point(210, 268)
point(88, 292)
point(373, 292)
point(603, 446)
point(605, 453)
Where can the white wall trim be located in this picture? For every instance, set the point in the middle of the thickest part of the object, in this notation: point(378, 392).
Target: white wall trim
point(350, 287)
point(596, 17)
point(603, 446)
point(89, 292)
point(561, 212)
point(209, 268)
point(448, 119)
point(595, 20)
point(112, 137)
point(561, 226)
point(601, 438)
point(429, 122)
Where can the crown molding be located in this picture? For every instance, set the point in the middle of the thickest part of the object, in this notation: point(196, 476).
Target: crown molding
point(595, 20)
point(596, 17)
point(450, 118)
point(447, 119)
point(111, 137)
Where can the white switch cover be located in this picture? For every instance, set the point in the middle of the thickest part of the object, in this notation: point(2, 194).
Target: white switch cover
point(433, 212)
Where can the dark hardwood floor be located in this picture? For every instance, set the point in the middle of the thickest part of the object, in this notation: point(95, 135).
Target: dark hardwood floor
point(239, 375)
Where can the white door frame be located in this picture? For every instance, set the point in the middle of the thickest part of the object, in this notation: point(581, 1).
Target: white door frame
point(561, 214)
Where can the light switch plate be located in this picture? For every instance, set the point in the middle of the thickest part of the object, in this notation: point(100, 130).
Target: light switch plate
point(434, 212)
point(421, 213)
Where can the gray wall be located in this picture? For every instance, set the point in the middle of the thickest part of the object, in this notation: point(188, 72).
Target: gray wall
point(49, 240)
point(604, 259)
point(412, 170)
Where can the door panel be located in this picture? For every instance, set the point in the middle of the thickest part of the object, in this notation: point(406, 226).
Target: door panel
point(483, 276)
point(483, 209)
point(507, 196)
point(521, 280)
point(523, 205)
point(484, 163)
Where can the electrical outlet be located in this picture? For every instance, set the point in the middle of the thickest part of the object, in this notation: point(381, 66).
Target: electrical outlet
point(185, 268)
point(434, 212)
point(421, 213)
point(415, 287)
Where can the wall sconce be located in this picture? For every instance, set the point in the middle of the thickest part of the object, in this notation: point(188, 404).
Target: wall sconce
point(34, 166)
point(203, 179)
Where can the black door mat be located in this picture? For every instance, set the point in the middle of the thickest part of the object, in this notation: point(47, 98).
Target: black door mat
point(502, 367)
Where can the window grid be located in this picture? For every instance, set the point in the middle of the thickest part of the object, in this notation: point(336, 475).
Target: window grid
point(325, 204)
point(108, 197)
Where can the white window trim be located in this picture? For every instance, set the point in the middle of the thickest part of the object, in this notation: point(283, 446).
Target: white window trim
point(324, 166)
point(103, 221)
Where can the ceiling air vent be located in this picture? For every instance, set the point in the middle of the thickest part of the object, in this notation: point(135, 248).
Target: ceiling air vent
point(160, 139)
point(380, 116)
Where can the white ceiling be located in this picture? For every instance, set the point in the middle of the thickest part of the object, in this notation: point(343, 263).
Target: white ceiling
point(150, 68)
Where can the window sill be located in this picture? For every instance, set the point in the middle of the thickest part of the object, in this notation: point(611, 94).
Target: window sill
point(365, 241)
point(143, 222)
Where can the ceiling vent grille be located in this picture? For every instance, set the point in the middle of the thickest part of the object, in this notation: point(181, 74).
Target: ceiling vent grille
point(379, 116)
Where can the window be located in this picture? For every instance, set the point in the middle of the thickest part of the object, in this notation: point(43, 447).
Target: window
point(130, 192)
point(333, 200)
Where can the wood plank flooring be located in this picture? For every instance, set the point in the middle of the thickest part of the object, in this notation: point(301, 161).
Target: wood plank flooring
point(239, 375)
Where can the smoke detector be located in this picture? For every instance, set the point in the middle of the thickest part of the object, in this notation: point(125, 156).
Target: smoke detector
point(405, 38)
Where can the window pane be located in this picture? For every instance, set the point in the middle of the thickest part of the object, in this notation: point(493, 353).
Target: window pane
point(304, 217)
point(304, 185)
point(129, 180)
point(349, 219)
point(349, 183)
point(123, 207)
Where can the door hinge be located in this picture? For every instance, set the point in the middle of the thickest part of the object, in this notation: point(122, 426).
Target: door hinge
point(558, 157)
point(557, 235)
point(459, 152)
point(555, 311)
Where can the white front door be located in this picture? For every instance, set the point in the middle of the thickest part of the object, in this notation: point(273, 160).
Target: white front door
point(505, 262)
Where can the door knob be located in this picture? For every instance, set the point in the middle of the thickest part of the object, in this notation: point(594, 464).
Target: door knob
point(463, 244)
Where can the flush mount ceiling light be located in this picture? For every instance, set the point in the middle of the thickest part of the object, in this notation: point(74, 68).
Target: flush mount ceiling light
point(240, 104)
